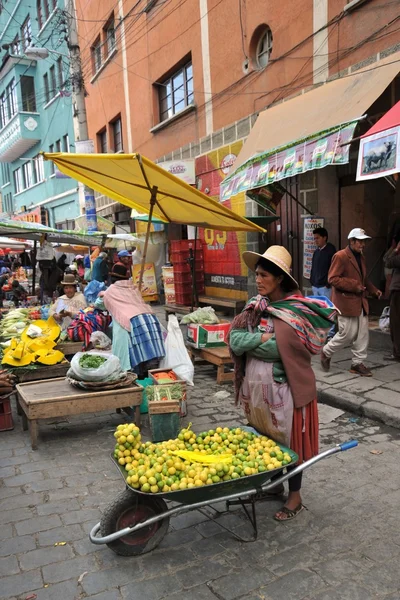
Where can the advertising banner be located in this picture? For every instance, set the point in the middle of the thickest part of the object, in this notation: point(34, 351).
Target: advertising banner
point(310, 223)
point(149, 283)
point(379, 155)
point(184, 169)
point(272, 166)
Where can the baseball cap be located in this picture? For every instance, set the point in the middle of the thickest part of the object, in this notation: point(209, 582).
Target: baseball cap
point(124, 253)
point(102, 254)
point(359, 234)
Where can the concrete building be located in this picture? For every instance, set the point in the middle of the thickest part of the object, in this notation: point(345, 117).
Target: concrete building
point(35, 113)
point(186, 80)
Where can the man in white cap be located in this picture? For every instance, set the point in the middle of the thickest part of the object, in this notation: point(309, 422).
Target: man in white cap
point(348, 278)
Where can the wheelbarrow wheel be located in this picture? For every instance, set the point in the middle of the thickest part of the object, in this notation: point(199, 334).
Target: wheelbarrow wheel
point(127, 510)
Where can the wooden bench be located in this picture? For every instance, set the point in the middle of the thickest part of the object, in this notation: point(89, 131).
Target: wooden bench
point(57, 398)
point(217, 356)
point(177, 308)
point(236, 305)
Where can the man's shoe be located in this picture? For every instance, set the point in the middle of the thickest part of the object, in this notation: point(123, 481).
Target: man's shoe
point(325, 361)
point(392, 357)
point(361, 370)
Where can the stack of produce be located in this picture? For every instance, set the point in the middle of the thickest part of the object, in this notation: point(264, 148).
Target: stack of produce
point(158, 393)
point(95, 367)
point(14, 323)
point(36, 345)
point(194, 460)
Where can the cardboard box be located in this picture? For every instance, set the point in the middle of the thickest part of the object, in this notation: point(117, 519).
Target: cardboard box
point(207, 336)
point(182, 402)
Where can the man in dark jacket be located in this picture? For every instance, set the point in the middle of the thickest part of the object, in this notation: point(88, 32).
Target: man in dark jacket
point(321, 263)
point(348, 278)
point(392, 261)
point(121, 269)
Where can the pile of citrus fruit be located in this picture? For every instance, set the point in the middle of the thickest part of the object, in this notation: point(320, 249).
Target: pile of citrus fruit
point(194, 460)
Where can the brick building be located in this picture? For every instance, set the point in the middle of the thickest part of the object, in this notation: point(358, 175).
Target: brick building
point(187, 79)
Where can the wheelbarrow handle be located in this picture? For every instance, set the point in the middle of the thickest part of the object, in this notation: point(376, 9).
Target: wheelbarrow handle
point(348, 445)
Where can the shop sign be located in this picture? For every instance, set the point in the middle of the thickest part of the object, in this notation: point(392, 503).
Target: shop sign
point(90, 212)
point(379, 155)
point(36, 215)
point(310, 223)
point(184, 169)
point(270, 167)
point(149, 284)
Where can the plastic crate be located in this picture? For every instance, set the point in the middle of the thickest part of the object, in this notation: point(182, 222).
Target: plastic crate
point(183, 298)
point(185, 268)
point(183, 257)
point(182, 290)
point(179, 245)
point(6, 420)
point(186, 278)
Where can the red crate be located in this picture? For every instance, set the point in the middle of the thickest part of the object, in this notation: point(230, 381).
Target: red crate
point(186, 278)
point(185, 245)
point(186, 289)
point(183, 298)
point(185, 268)
point(183, 257)
point(6, 420)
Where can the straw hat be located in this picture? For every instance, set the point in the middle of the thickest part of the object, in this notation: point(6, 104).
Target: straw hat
point(278, 255)
point(69, 279)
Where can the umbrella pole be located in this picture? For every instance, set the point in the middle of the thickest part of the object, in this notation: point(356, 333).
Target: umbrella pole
point(146, 242)
point(34, 268)
point(193, 268)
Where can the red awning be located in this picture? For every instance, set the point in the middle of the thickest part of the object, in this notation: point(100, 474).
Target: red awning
point(388, 121)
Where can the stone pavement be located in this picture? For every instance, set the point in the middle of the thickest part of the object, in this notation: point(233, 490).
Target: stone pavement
point(346, 546)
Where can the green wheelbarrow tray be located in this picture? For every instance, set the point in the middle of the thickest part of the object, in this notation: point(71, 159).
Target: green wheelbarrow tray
point(216, 490)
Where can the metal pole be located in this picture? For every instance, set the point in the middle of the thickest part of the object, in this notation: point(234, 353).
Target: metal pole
point(146, 243)
point(78, 91)
point(34, 268)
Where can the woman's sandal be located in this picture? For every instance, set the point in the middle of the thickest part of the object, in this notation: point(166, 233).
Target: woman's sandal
point(290, 514)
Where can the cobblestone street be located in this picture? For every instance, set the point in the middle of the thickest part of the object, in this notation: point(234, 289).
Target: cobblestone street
point(346, 546)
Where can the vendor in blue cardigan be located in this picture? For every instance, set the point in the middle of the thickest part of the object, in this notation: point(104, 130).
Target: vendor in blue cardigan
point(321, 263)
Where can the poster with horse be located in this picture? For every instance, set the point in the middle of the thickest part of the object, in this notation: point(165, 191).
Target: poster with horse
point(379, 155)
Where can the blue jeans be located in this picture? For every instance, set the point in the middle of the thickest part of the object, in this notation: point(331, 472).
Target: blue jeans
point(325, 291)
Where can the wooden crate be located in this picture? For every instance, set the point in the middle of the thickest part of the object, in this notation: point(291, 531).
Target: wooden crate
point(183, 402)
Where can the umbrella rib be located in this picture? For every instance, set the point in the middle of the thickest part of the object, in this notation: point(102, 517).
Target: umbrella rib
point(118, 179)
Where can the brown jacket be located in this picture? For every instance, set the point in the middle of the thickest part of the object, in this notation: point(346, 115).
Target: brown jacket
point(348, 284)
point(392, 261)
point(297, 362)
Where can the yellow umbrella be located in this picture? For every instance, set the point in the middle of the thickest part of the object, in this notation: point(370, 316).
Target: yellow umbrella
point(136, 181)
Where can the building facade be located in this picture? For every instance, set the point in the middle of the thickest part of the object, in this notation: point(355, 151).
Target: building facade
point(187, 79)
point(36, 112)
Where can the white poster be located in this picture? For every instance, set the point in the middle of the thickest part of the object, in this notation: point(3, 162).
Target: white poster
point(379, 155)
point(310, 223)
point(184, 169)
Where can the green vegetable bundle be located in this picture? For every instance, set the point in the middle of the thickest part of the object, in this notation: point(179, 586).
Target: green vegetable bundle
point(164, 392)
point(91, 361)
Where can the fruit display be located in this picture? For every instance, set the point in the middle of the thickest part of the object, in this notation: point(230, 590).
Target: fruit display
point(36, 345)
point(194, 460)
point(162, 377)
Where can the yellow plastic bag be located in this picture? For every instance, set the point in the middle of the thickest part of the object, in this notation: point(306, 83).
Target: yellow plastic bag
point(205, 459)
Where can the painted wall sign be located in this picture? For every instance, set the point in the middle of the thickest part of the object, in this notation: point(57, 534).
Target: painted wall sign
point(184, 169)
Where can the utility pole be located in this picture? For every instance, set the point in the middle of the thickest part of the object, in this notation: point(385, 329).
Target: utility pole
point(78, 90)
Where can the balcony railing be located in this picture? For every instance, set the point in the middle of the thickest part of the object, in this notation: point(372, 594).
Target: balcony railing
point(19, 135)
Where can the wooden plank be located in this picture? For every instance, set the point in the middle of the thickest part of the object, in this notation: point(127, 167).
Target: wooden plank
point(81, 406)
point(44, 372)
point(69, 347)
point(231, 303)
point(164, 407)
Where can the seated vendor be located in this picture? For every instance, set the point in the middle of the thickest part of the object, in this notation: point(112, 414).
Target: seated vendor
point(19, 272)
point(19, 293)
point(66, 307)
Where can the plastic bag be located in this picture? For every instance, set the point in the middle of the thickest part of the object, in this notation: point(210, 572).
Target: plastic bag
point(92, 290)
point(108, 371)
point(87, 275)
point(205, 314)
point(100, 340)
point(176, 355)
point(384, 319)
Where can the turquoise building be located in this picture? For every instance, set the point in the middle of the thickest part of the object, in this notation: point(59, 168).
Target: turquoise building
point(36, 112)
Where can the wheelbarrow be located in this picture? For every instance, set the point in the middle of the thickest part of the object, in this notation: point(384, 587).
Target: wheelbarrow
point(136, 522)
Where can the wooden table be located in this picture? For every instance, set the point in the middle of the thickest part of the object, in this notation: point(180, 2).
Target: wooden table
point(236, 305)
point(69, 347)
point(57, 398)
point(217, 356)
point(38, 374)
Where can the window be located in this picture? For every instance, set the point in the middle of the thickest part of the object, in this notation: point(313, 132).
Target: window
point(28, 94)
point(38, 168)
point(117, 135)
point(176, 92)
point(58, 146)
point(39, 13)
point(3, 118)
point(109, 35)
point(53, 81)
point(8, 103)
point(7, 203)
point(5, 173)
point(65, 143)
point(102, 141)
point(96, 56)
point(46, 87)
point(28, 176)
point(26, 33)
point(46, 10)
point(51, 165)
point(60, 73)
point(16, 45)
point(263, 48)
point(18, 185)
point(53, 4)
